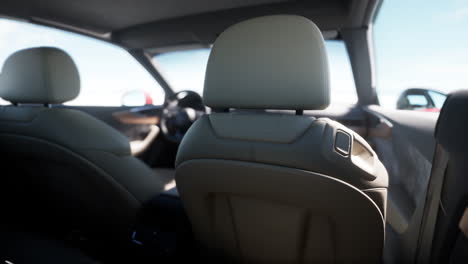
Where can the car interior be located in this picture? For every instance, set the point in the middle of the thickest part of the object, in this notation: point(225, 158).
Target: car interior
point(259, 167)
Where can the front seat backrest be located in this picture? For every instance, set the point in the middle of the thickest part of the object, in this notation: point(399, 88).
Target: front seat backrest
point(450, 166)
point(71, 169)
point(264, 187)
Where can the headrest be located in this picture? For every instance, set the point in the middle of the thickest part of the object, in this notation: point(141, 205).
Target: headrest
point(39, 76)
point(271, 62)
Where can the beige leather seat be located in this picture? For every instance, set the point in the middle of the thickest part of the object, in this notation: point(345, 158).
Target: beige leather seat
point(80, 168)
point(278, 187)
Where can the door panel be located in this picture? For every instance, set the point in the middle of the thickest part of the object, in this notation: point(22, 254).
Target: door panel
point(406, 150)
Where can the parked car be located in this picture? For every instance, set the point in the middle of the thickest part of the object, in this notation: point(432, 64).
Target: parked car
point(420, 99)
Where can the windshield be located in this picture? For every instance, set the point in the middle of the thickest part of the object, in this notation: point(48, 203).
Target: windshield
point(185, 70)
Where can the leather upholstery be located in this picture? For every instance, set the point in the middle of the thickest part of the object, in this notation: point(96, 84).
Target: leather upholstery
point(450, 126)
point(56, 82)
point(258, 213)
point(279, 188)
point(278, 75)
point(451, 132)
point(82, 162)
point(311, 146)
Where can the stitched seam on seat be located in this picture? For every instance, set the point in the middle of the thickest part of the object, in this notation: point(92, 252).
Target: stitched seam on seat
point(333, 235)
point(374, 189)
point(234, 227)
point(304, 234)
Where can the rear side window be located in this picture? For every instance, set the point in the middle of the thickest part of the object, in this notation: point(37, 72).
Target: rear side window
point(421, 44)
point(343, 89)
point(437, 98)
point(107, 72)
point(417, 100)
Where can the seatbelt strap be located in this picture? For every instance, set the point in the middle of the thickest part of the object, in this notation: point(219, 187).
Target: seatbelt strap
point(431, 206)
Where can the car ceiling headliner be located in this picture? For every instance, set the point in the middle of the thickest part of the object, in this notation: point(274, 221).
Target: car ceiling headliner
point(154, 24)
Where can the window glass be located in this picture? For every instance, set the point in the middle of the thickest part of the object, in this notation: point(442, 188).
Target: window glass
point(437, 98)
point(420, 43)
point(107, 72)
point(185, 70)
point(417, 99)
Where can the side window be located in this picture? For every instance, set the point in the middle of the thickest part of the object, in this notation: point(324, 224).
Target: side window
point(107, 72)
point(417, 99)
point(414, 52)
point(438, 99)
point(343, 88)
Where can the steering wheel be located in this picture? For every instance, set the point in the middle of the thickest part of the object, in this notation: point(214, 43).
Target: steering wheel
point(182, 110)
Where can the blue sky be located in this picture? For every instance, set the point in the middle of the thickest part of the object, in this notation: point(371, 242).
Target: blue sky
point(417, 44)
point(421, 44)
